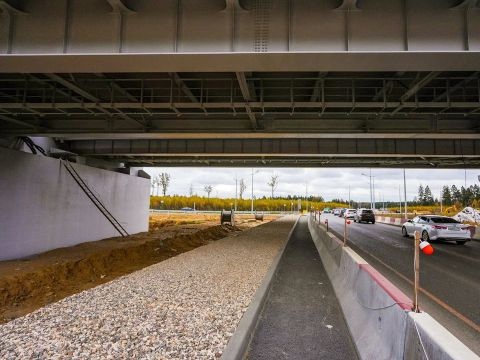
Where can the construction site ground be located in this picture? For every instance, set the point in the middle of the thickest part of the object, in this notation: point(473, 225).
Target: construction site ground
point(30, 283)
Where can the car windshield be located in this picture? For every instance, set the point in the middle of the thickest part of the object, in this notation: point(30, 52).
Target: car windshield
point(367, 211)
point(444, 220)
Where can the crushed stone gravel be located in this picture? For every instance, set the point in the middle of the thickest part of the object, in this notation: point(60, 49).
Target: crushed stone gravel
point(186, 307)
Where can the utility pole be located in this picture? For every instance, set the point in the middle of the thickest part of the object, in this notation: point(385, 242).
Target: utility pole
point(373, 190)
point(306, 195)
point(236, 191)
point(253, 173)
point(400, 198)
point(405, 192)
point(349, 198)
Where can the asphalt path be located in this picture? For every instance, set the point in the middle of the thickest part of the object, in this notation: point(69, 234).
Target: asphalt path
point(449, 279)
point(302, 318)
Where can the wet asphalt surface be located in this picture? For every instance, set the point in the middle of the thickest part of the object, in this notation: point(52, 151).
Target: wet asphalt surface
point(302, 318)
point(451, 276)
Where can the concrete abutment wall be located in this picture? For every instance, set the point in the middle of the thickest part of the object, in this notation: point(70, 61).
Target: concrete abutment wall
point(43, 208)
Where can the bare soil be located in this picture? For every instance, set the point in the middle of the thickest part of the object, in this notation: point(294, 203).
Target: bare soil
point(30, 283)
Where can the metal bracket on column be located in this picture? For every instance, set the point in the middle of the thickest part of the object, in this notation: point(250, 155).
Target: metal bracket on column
point(349, 5)
point(9, 9)
point(10, 12)
point(233, 4)
point(466, 4)
point(119, 7)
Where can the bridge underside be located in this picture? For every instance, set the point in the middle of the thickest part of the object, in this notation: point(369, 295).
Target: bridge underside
point(246, 83)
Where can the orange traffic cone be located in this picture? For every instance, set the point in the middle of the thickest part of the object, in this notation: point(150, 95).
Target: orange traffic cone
point(426, 248)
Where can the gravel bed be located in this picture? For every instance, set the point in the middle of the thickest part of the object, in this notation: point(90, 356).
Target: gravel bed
point(186, 307)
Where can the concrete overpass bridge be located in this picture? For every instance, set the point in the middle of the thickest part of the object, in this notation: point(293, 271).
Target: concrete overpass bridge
point(246, 83)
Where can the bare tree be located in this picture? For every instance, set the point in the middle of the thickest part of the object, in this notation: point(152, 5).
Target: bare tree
point(273, 183)
point(164, 180)
point(208, 189)
point(242, 188)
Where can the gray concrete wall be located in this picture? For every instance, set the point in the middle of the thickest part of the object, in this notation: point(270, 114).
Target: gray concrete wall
point(42, 207)
point(377, 312)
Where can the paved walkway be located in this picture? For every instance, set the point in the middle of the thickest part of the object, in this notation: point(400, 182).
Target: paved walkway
point(302, 318)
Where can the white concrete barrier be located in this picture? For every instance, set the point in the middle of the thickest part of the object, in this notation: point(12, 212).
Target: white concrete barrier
point(378, 313)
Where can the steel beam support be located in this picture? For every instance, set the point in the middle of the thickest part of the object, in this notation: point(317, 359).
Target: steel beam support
point(459, 85)
point(247, 96)
point(183, 87)
point(237, 105)
point(348, 147)
point(415, 88)
point(16, 121)
point(10, 13)
point(95, 101)
point(242, 62)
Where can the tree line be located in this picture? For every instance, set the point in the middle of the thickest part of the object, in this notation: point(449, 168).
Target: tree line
point(162, 182)
point(450, 195)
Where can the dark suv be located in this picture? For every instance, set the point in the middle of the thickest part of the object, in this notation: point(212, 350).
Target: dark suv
point(366, 215)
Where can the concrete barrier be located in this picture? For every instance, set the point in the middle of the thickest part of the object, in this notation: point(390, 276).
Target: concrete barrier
point(390, 220)
point(378, 313)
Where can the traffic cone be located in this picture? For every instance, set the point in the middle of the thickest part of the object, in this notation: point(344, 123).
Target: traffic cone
point(426, 248)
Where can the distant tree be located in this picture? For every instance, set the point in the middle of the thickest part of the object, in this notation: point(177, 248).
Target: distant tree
point(446, 196)
point(421, 195)
point(208, 189)
point(273, 183)
point(164, 182)
point(476, 192)
point(427, 196)
point(242, 188)
point(456, 194)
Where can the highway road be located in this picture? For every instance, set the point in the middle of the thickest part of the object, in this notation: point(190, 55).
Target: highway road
point(449, 279)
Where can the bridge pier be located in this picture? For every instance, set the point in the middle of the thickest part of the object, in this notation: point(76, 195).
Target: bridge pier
point(42, 207)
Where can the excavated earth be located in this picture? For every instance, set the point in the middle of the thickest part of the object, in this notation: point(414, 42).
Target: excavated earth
point(30, 283)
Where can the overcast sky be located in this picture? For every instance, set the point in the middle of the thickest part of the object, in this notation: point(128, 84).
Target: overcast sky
point(328, 182)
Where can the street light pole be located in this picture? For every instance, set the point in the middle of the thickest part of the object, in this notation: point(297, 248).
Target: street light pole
point(236, 192)
point(405, 192)
point(253, 173)
point(371, 197)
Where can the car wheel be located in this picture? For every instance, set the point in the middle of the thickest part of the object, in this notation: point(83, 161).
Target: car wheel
point(355, 220)
point(373, 222)
point(404, 231)
point(425, 236)
point(461, 242)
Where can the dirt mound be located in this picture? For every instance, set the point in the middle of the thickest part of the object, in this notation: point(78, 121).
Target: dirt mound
point(28, 284)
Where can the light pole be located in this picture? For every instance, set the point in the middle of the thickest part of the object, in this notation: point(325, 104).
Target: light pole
point(405, 192)
point(371, 189)
point(253, 173)
point(284, 208)
point(236, 191)
point(291, 207)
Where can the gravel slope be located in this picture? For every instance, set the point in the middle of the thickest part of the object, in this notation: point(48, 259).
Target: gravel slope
point(184, 307)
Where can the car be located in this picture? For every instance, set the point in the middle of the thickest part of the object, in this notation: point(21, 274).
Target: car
point(327, 210)
point(350, 213)
point(336, 212)
point(342, 212)
point(187, 209)
point(435, 227)
point(364, 215)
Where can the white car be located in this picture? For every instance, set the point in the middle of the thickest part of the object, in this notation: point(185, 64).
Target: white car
point(434, 227)
point(350, 213)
